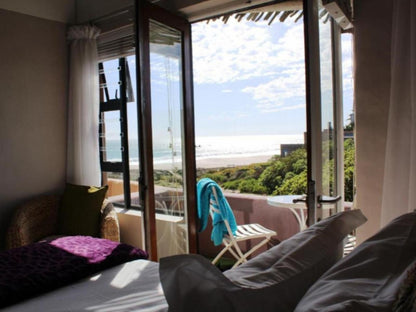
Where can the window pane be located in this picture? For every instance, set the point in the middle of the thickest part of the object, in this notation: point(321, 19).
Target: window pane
point(328, 117)
point(112, 83)
point(167, 107)
point(111, 136)
point(133, 130)
point(120, 173)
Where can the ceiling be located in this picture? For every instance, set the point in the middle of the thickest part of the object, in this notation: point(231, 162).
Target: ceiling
point(195, 10)
point(79, 11)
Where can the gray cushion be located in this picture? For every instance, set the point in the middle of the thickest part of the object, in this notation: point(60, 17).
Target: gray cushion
point(369, 278)
point(273, 281)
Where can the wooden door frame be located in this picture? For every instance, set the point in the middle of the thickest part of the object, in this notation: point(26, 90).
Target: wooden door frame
point(144, 12)
point(313, 104)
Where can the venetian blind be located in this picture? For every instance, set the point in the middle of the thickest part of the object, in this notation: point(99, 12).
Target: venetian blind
point(117, 37)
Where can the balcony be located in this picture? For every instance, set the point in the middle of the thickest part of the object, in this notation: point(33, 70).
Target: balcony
point(247, 208)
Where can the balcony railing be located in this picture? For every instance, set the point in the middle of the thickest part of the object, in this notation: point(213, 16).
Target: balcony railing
point(247, 208)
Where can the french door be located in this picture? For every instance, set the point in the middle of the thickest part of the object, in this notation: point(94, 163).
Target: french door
point(324, 113)
point(165, 114)
point(167, 179)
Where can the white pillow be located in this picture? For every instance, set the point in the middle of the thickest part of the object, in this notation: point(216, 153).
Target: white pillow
point(273, 281)
point(369, 278)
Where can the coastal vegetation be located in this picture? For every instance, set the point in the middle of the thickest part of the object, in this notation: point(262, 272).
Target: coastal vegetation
point(280, 175)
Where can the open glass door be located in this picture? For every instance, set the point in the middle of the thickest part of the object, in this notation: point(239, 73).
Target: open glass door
point(168, 184)
point(324, 117)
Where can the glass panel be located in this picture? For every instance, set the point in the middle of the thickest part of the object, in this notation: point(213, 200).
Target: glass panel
point(111, 136)
point(110, 131)
point(167, 107)
point(327, 111)
point(111, 69)
point(348, 91)
point(111, 122)
point(133, 131)
point(115, 191)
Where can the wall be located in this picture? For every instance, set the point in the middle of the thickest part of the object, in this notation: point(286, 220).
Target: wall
point(372, 84)
point(56, 10)
point(247, 208)
point(66, 11)
point(33, 104)
point(171, 232)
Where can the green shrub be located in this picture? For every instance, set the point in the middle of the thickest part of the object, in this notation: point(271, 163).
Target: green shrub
point(251, 186)
point(300, 165)
point(296, 184)
point(272, 177)
point(231, 185)
point(349, 163)
point(218, 177)
point(282, 175)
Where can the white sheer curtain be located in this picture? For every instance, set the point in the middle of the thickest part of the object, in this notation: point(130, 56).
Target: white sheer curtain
point(399, 189)
point(83, 165)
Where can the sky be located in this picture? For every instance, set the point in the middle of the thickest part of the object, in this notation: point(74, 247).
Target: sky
point(249, 77)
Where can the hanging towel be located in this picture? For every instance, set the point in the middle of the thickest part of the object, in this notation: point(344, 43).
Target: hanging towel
point(204, 194)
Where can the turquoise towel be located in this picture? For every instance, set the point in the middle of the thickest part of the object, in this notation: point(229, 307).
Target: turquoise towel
point(204, 193)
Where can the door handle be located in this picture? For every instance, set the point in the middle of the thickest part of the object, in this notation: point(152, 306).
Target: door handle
point(328, 199)
point(321, 199)
point(301, 199)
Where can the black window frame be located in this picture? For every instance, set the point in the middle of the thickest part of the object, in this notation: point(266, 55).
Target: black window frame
point(117, 104)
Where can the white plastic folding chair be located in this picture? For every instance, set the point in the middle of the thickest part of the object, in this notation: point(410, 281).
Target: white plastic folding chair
point(350, 243)
point(244, 232)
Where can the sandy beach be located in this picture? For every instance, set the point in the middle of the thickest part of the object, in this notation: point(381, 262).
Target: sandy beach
point(221, 162)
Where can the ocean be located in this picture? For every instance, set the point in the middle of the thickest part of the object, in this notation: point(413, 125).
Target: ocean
point(209, 147)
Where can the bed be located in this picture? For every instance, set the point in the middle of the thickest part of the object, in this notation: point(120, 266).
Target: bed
point(131, 286)
point(303, 273)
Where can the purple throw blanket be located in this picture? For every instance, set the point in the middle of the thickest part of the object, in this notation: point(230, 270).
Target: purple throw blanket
point(36, 268)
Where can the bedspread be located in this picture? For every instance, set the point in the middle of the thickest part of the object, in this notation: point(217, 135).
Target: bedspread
point(132, 286)
point(43, 266)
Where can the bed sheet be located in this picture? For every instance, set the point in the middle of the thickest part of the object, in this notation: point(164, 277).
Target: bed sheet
point(132, 286)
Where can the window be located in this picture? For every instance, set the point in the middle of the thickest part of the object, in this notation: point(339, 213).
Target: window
point(129, 129)
point(118, 131)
